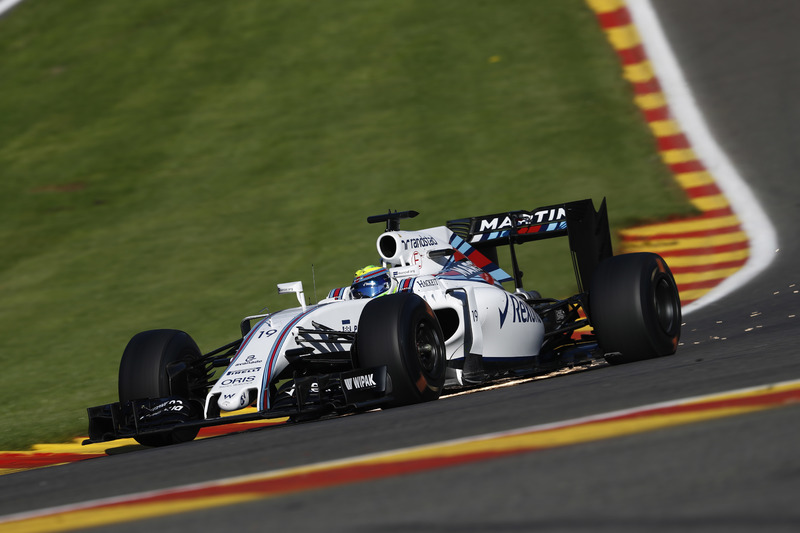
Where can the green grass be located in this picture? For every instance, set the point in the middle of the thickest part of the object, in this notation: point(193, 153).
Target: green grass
point(164, 163)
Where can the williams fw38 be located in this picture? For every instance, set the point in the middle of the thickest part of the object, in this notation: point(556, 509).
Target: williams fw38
point(433, 314)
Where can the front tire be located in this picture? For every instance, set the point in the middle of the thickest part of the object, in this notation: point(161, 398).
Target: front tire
point(402, 332)
point(144, 373)
point(635, 308)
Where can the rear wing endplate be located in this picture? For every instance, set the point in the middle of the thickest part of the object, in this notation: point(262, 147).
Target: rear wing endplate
point(586, 228)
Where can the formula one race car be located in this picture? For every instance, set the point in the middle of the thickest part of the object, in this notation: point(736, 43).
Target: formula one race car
point(433, 314)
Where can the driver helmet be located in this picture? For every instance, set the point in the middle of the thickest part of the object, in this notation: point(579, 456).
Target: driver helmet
point(370, 281)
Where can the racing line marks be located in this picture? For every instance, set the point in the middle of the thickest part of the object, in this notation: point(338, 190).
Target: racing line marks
point(405, 461)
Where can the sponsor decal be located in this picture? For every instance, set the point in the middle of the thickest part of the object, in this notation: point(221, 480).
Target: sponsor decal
point(523, 218)
point(249, 360)
point(367, 381)
point(245, 371)
point(237, 381)
point(244, 396)
point(521, 313)
point(416, 258)
point(504, 313)
point(418, 242)
point(169, 407)
point(347, 327)
point(426, 283)
point(403, 272)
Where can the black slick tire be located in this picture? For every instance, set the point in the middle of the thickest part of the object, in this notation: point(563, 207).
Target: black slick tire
point(635, 308)
point(143, 373)
point(402, 332)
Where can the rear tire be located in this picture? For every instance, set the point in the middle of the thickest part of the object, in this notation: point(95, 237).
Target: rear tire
point(635, 308)
point(402, 332)
point(143, 374)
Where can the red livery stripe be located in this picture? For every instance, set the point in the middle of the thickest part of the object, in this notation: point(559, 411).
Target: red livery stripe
point(478, 259)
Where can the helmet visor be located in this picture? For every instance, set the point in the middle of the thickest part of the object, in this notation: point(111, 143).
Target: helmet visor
point(369, 288)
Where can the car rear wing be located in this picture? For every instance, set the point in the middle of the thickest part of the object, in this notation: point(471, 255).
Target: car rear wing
point(587, 230)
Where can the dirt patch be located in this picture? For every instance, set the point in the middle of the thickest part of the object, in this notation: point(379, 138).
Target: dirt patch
point(64, 187)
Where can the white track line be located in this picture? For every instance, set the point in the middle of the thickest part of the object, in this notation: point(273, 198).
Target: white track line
point(5, 5)
point(759, 229)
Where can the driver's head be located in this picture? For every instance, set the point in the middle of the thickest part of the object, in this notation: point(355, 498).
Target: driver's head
point(370, 281)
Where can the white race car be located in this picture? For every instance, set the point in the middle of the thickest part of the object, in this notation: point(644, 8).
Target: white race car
point(433, 315)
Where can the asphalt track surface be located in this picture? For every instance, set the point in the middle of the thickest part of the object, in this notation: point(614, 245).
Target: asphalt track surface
point(740, 473)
